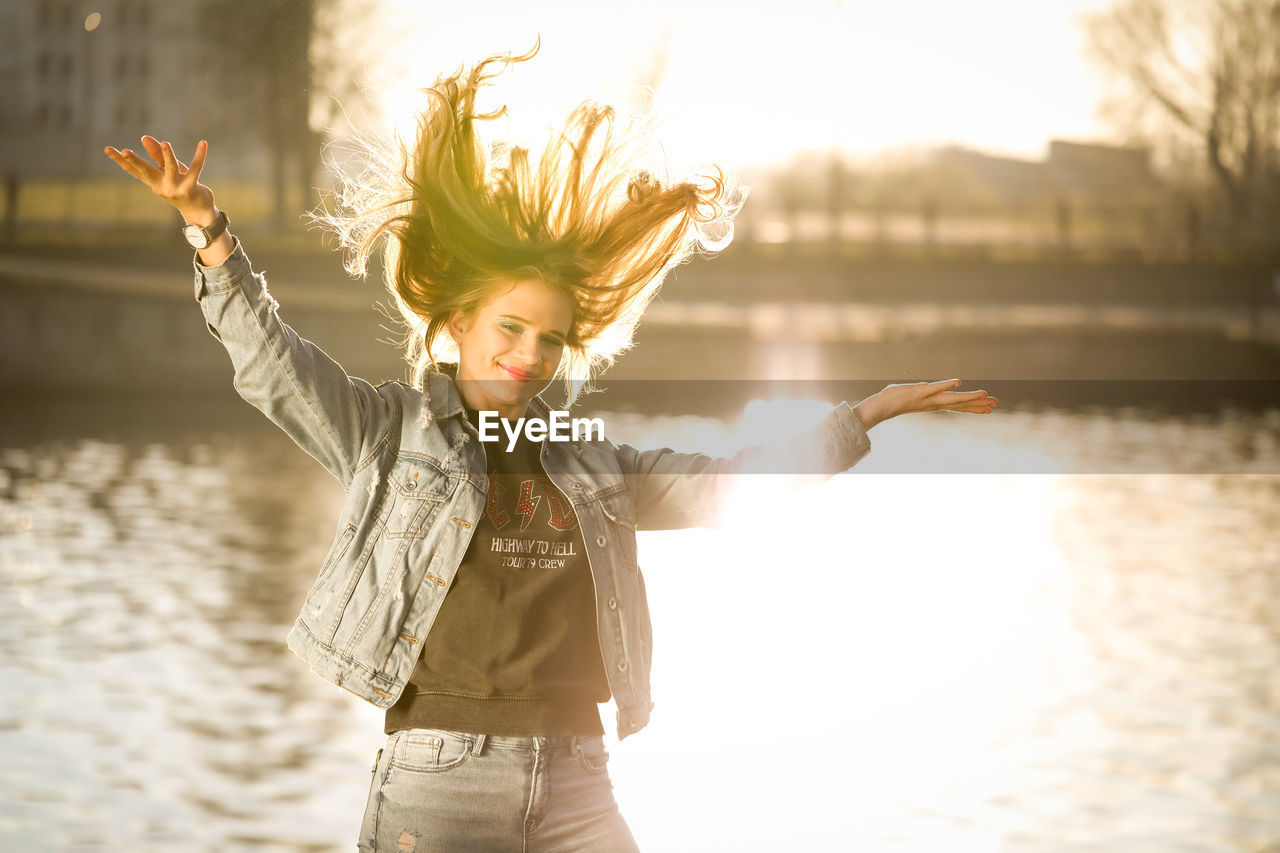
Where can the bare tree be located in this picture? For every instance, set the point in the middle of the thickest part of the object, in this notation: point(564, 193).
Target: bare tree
point(1207, 71)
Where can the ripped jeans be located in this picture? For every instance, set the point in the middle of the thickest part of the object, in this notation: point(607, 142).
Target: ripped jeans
point(435, 790)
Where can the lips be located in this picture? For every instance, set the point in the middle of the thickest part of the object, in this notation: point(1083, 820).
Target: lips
point(516, 374)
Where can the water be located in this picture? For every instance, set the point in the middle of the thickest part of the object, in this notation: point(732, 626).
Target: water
point(1054, 661)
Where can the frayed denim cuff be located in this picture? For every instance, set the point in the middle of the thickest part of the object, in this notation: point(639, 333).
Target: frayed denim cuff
point(225, 275)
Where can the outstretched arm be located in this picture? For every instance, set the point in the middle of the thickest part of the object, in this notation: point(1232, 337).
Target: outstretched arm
point(334, 417)
point(675, 490)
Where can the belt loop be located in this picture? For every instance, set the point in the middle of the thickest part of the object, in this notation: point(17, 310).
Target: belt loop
point(573, 745)
point(475, 750)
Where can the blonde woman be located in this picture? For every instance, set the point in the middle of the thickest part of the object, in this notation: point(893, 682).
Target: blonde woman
point(437, 601)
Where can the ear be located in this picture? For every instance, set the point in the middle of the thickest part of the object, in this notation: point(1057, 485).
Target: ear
point(459, 323)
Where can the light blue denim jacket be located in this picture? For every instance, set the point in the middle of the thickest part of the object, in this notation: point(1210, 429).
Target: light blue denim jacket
point(415, 480)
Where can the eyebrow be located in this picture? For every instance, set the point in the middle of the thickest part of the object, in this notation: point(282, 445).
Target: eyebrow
point(561, 335)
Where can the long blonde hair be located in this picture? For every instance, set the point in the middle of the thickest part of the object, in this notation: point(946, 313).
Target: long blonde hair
point(463, 217)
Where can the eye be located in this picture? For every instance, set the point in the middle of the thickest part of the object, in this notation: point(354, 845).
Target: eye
point(510, 327)
point(554, 341)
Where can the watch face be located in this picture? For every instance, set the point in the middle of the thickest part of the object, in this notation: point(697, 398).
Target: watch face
point(195, 236)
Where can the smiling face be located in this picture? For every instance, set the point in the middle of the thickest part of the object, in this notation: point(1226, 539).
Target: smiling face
point(509, 348)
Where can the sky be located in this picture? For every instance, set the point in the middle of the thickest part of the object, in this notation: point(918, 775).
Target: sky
point(749, 83)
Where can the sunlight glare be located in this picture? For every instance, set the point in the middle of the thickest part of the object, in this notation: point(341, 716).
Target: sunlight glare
point(745, 87)
point(873, 636)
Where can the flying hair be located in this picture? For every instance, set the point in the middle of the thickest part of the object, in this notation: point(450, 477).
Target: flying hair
point(465, 218)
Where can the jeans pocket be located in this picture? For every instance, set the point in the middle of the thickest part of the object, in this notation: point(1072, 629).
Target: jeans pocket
point(592, 755)
point(431, 750)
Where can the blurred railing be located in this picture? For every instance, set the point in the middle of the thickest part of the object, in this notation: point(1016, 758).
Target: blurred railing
point(1168, 229)
point(88, 210)
point(1173, 228)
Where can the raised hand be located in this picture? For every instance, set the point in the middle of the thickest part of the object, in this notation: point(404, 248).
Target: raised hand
point(894, 400)
point(170, 178)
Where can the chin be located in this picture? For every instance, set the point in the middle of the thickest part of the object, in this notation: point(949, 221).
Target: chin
point(509, 390)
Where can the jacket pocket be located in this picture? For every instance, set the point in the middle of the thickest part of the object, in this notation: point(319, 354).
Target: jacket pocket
point(617, 508)
point(619, 528)
point(418, 490)
point(317, 597)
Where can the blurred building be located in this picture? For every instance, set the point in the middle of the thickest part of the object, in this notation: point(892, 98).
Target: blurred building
point(79, 76)
point(1099, 169)
point(1071, 170)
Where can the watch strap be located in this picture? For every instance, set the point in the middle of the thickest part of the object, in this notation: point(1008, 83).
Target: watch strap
point(214, 229)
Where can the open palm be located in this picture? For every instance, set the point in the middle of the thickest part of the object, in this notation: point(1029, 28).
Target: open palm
point(167, 176)
point(936, 397)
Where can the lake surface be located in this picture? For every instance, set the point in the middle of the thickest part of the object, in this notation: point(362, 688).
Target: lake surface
point(1023, 654)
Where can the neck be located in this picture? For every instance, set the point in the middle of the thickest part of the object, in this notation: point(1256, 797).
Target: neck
point(475, 399)
point(510, 412)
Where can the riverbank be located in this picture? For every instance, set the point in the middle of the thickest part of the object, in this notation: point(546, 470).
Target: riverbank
point(123, 318)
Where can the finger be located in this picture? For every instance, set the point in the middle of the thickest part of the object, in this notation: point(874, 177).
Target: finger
point(197, 161)
point(971, 404)
point(170, 160)
point(945, 387)
point(951, 384)
point(154, 149)
point(118, 158)
point(952, 398)
point(138, 167)
point(181, 166)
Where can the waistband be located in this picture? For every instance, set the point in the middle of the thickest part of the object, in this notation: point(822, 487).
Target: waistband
point(478, 740)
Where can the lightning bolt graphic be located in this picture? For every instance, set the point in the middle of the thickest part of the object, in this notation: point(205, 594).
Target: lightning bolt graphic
point(527, 503)
point(493, 505)
point(562, 515)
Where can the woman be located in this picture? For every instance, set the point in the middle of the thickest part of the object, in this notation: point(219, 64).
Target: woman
point(488, 597)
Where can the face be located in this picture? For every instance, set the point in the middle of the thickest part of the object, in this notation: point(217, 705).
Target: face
point(509, 349)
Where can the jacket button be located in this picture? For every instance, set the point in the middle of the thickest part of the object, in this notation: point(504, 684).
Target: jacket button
point(577, 485)
point(622, 665)
point(613, 603)
point(600, 540)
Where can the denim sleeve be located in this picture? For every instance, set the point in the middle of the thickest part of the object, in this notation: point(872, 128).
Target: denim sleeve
point(672, 490)
point(332, 416)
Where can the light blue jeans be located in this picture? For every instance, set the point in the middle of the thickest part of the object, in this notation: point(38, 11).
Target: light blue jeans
point(435, 790)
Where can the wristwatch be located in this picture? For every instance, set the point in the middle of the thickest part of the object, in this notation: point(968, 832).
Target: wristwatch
point(200, 237)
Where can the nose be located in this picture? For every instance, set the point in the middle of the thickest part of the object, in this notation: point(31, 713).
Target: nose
point(527, 351)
